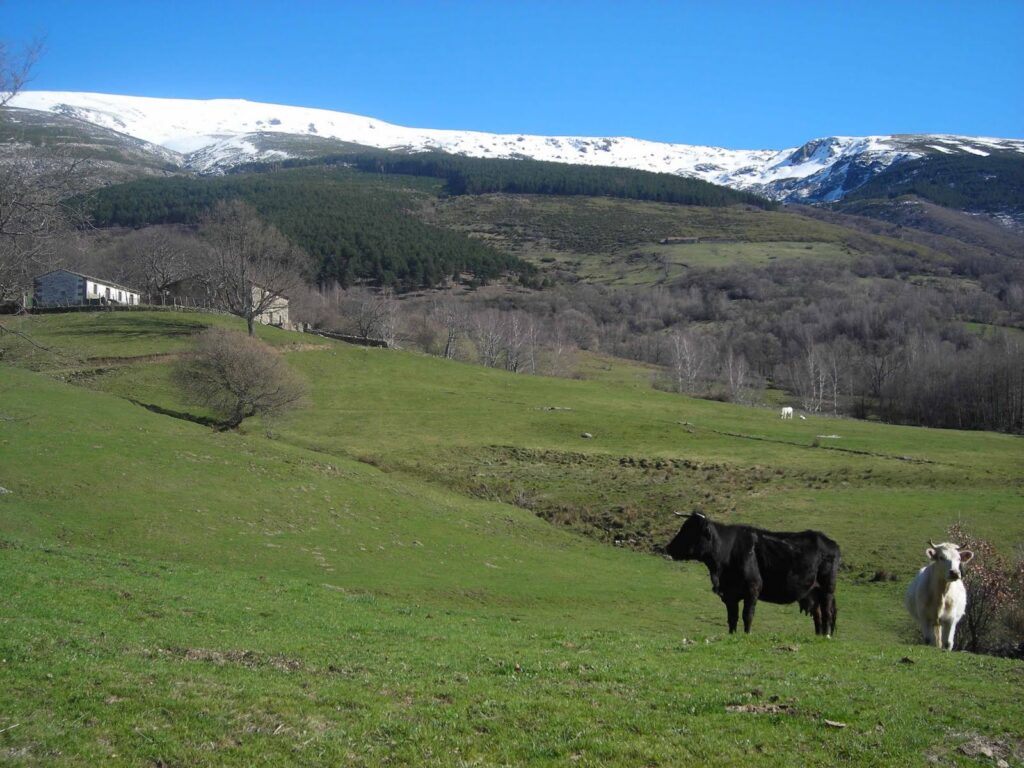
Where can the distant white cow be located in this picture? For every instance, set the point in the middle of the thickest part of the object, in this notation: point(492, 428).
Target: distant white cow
point(936, 598)
point(786, 412)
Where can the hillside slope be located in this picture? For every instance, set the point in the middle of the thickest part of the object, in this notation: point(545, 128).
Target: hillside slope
point(181, 596)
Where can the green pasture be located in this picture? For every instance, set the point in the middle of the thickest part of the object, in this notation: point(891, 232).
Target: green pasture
point(374, 580)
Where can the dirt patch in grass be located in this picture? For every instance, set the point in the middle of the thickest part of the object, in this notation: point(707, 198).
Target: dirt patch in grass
point(1003, 751)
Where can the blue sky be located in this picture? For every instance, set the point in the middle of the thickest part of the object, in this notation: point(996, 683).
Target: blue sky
point(767, 74)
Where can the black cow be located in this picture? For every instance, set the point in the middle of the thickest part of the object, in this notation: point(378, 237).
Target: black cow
point(749, 564)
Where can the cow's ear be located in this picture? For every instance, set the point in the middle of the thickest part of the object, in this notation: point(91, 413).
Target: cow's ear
point(966, 556)
point(930, 552)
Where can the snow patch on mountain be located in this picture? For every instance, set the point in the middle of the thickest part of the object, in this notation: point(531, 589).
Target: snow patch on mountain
point(217, 134)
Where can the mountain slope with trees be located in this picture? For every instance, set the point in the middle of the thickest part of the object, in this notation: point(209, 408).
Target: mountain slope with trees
point(356, 227)
point(992, 184)
point(475, 176)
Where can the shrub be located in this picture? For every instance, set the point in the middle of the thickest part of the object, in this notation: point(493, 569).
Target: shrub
point(994, 620)
point(238, 376)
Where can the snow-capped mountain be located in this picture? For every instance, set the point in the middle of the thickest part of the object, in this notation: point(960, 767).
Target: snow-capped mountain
point(211, 136)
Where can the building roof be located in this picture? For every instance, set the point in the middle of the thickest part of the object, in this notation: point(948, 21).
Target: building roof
point(111, 283)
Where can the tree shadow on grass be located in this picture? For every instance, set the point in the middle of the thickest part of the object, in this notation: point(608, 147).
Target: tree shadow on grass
point(205, 421)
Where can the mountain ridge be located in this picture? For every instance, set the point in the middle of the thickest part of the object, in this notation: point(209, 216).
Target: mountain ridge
point(212, 136)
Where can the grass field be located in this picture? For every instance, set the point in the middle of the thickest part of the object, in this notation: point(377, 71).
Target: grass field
point(350, 585)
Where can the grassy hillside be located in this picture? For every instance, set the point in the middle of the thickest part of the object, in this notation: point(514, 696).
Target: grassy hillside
point(618, 241)
point(346, 587)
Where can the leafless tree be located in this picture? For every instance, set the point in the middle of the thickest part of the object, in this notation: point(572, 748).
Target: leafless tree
point(390, 317)
point(561, 349)
point(238, 376)
point(737, 375)
point(251, 264)
point(512, 340)
point(522, 342)
point(16, 68)
point(452, 317)
point(580, 328)
point(371, 314)
point(881, 361)
point(156, 258)
point(532, 344)
point(33, 215)
point(810, 378)
point(487, 332)
point(33, 219)
point(689, 356)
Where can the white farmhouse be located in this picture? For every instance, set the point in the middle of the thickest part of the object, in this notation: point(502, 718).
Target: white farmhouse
point(62, 288)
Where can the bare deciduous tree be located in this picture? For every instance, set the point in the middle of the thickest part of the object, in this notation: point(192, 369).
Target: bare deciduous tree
point(251, 264)
point(32, 213)
point(16, 68)
point(371, 314)
point(487, 332)
point(238, 376)
point(389, 316)
point(452, 317)
point(689, 353)
point(32, 220)
point(156, 258)
point(737, 375)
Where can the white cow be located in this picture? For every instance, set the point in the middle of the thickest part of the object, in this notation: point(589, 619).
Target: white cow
point(786, 412)
point(936, 598)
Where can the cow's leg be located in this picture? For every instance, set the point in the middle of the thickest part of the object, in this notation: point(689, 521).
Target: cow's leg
point(811, 603)
point(948, 632)
point(928, 633)
point(828, 613)
point(748, 612)
point(936, 632)
point(732, 608)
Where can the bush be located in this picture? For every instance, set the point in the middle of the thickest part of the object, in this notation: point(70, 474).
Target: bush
point(237, 376)
point(994, 620)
